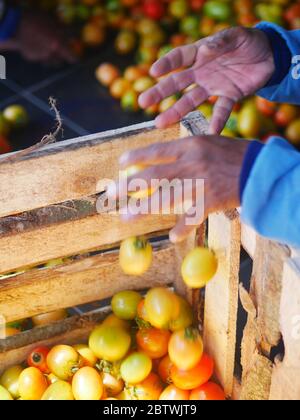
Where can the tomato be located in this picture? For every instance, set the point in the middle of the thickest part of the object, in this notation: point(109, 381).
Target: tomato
point(51, 378)
point(125, 42)
point(142, 84)
point(119, 87)
point(107, 73)
point(4, 126)
point(199, 267)
point(266, 107)
point(32, 384)
point(9, 332)
point(286, 114)
point(93, 35)
point(135, 256)
point(58, 391)
point(193, 378)
point(196, 5)
point(164, 369)
point(63, 361)
point(153, 342)
point(135, 368)
point(218, 10)
point(179, 8)
point(124, 304)
point(162, 306)
point(186, 348)
point(147, 55)
point(154, 9)
point(208, 392)
point(142, 318)
point(10, 380)
point(207, 110)
point(292, 13)
point(185, 317)
point(88, 357)
point(293, 132)
point(38, 358)
point(174, 393)
point(269, 12)
point(87, 385)
point(49, 318)
point(134, 73)
point(110, 343)
point(5, 146)
point(243, 6)
point(190, 26)
point(112, 385)
point(178, 40)
point(167, 103)
point(140, 193)
point(129, 101)
point(16, 115)
point(148, 390)
point(113, 321)
point(4, 394)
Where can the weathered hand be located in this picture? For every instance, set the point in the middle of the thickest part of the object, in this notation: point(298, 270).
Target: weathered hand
point(216, 160)
point(232, 64)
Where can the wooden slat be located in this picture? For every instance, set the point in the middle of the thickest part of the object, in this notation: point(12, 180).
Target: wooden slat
point(72, 169)
point(286, 374)
point(249, 237)
point(71, 331)
point(221, 297)
point(88, 280)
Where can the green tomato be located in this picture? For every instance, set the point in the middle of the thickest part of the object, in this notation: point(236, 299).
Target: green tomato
point(135, 368)
point(110, 343)
point(165, 50)
point(217, 10)
point(232, 123)
point(16, 115)
point(269, 12)
point(124, 304)
point(190, 26)
point(179, 8)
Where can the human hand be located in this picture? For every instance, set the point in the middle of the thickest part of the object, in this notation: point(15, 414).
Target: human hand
point(232, 64)
point(215, 160)
point(39, 38)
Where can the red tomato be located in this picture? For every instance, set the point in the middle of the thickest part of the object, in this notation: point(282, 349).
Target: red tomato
point(266, 107)
point(292, 13)
point(196, 5)
point(38, 359)
point(193, 378)
point(174, 393)
point(164, 369)
point(208, 392)
point(153, 342)
point(286, 114)
point(154, 9)
point(5, 146)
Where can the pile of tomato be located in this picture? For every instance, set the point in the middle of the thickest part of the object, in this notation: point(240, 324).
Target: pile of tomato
point(13, 117)
point(147, 349)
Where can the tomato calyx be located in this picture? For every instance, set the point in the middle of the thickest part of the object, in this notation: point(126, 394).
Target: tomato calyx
point(105, 366)
point(141, 243)
point(142, 324)
point(191, 333)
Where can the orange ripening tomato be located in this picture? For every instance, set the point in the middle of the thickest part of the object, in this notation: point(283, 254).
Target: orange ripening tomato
point(266, 107)
point(32, 384)
point(164, 369)
point(150, 389)
point(38, 359)
point(286, 114)
point(193, 378)
point(174, 393)
point(186, 348)
point(208, 392)
point(153, 342)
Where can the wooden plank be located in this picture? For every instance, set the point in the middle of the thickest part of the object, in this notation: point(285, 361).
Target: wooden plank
point(221, 297)
point(249, 237)
point(71, 331)
point(84, 281)
point(70, 238)
point(71, 170)
point(286, 374)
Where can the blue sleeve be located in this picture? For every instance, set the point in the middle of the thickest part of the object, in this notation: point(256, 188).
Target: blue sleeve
point(9, 22)
point(271, 194)
point(285, 83)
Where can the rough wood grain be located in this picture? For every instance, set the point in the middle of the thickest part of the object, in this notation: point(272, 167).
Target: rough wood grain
point(71, 170)
point(221, 297)
point(88, 280)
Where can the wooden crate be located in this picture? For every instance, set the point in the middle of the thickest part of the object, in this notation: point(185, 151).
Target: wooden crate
point(48, 210)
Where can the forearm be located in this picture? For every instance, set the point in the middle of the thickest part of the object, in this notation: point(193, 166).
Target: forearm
point(270, 191)
point(285, 83)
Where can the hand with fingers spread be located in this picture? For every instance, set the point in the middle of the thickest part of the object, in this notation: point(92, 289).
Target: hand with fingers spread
point(215, 160)
point(232, 64)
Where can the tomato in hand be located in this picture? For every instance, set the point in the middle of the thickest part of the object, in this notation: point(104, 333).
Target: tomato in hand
point(32, 384)
point(193, 378)
point(164, 369)
point(174, 393)
point(58, 391)
point(87, 385)
point(63, 361)
point(110, 343)
point(124, 304)
point(162, 306)
point(208, 392)
point(186, 348)
point(135, 368)
point(153, 342)
point(38, 358)
point(135, 256)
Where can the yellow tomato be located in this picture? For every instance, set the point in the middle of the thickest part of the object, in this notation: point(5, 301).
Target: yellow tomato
point(119, 87)
point(134, 170)
point(113, 321)
point(49, 317)
point(58, 391)
point(199, 267)
point(89, 359)
point(10, 380)
point(143, 84)
point(167, 103)
point(87, 385)
point(32, 384)
point(185, 317)
point(162, 306)
point(110, 343)
point(4, 394)
point(135, 256)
